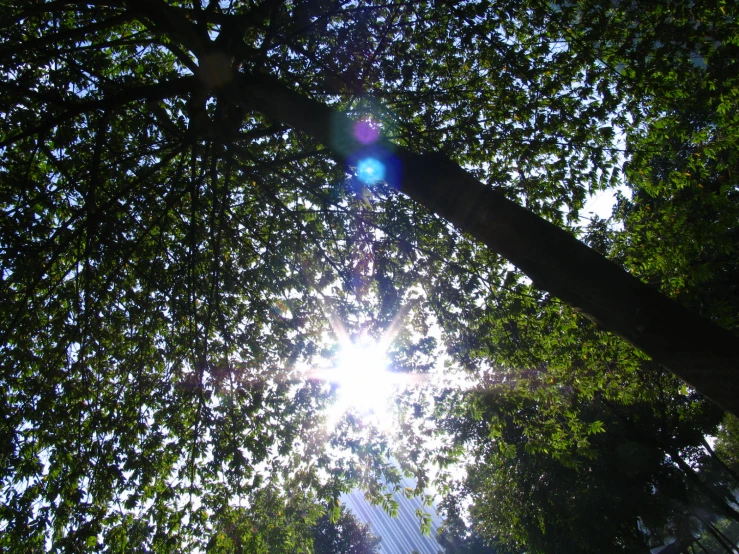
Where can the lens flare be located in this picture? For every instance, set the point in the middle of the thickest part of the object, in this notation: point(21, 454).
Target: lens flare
point(370, 170)
point(366, 132)
point(363, 377)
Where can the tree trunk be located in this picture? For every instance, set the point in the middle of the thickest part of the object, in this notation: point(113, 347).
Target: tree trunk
point(703, 548)
point(720, 537)
point(692, 347)
point(702, 487)
point(720, 462)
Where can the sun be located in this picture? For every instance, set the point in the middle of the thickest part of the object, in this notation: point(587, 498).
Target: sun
point(364, 382)
point(362, 372)
point(362, 375)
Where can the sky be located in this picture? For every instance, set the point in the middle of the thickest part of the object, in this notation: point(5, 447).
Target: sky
point(402, 534)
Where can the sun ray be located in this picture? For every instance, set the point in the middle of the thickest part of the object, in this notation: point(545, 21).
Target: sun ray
point(362, 371)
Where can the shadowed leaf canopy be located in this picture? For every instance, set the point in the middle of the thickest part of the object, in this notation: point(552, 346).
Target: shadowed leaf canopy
point(191, 192)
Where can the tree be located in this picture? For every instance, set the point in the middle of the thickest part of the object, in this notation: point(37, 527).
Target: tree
point(727, 442)
point(684, 342)
point(458, 538)
point(271, 522)
point(643, 477)
point(233, 72)
point(346, 535)
point(176, 231)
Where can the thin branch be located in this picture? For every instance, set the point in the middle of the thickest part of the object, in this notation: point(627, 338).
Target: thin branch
point(111, 100)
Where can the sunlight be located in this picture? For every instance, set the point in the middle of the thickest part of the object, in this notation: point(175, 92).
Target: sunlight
point(363, 377)
point(361, 373)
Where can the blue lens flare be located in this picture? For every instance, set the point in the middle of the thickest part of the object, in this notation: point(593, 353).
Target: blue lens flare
point(370, 170)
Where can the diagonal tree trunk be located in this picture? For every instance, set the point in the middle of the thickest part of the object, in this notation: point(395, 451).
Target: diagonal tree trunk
point(718, 460)
point(692, 347)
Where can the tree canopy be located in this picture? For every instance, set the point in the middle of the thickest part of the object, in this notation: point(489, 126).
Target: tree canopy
point(346, 535)
point(197, 198)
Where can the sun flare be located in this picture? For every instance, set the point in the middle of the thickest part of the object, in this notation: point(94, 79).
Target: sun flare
point(362, 376)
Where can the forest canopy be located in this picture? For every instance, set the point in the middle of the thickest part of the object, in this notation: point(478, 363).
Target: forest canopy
point(202, 203)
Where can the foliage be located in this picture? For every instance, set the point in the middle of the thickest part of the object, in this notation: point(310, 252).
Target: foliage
point(642, 480)
point(456, 537)
point(681, 225)
point(721, 538)
point(271, 522)
point(727, 442)
point(171, 259)
point(535, 419)
point(346, 535)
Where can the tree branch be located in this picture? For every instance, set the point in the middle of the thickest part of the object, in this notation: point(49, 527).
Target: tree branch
point(112, 100)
